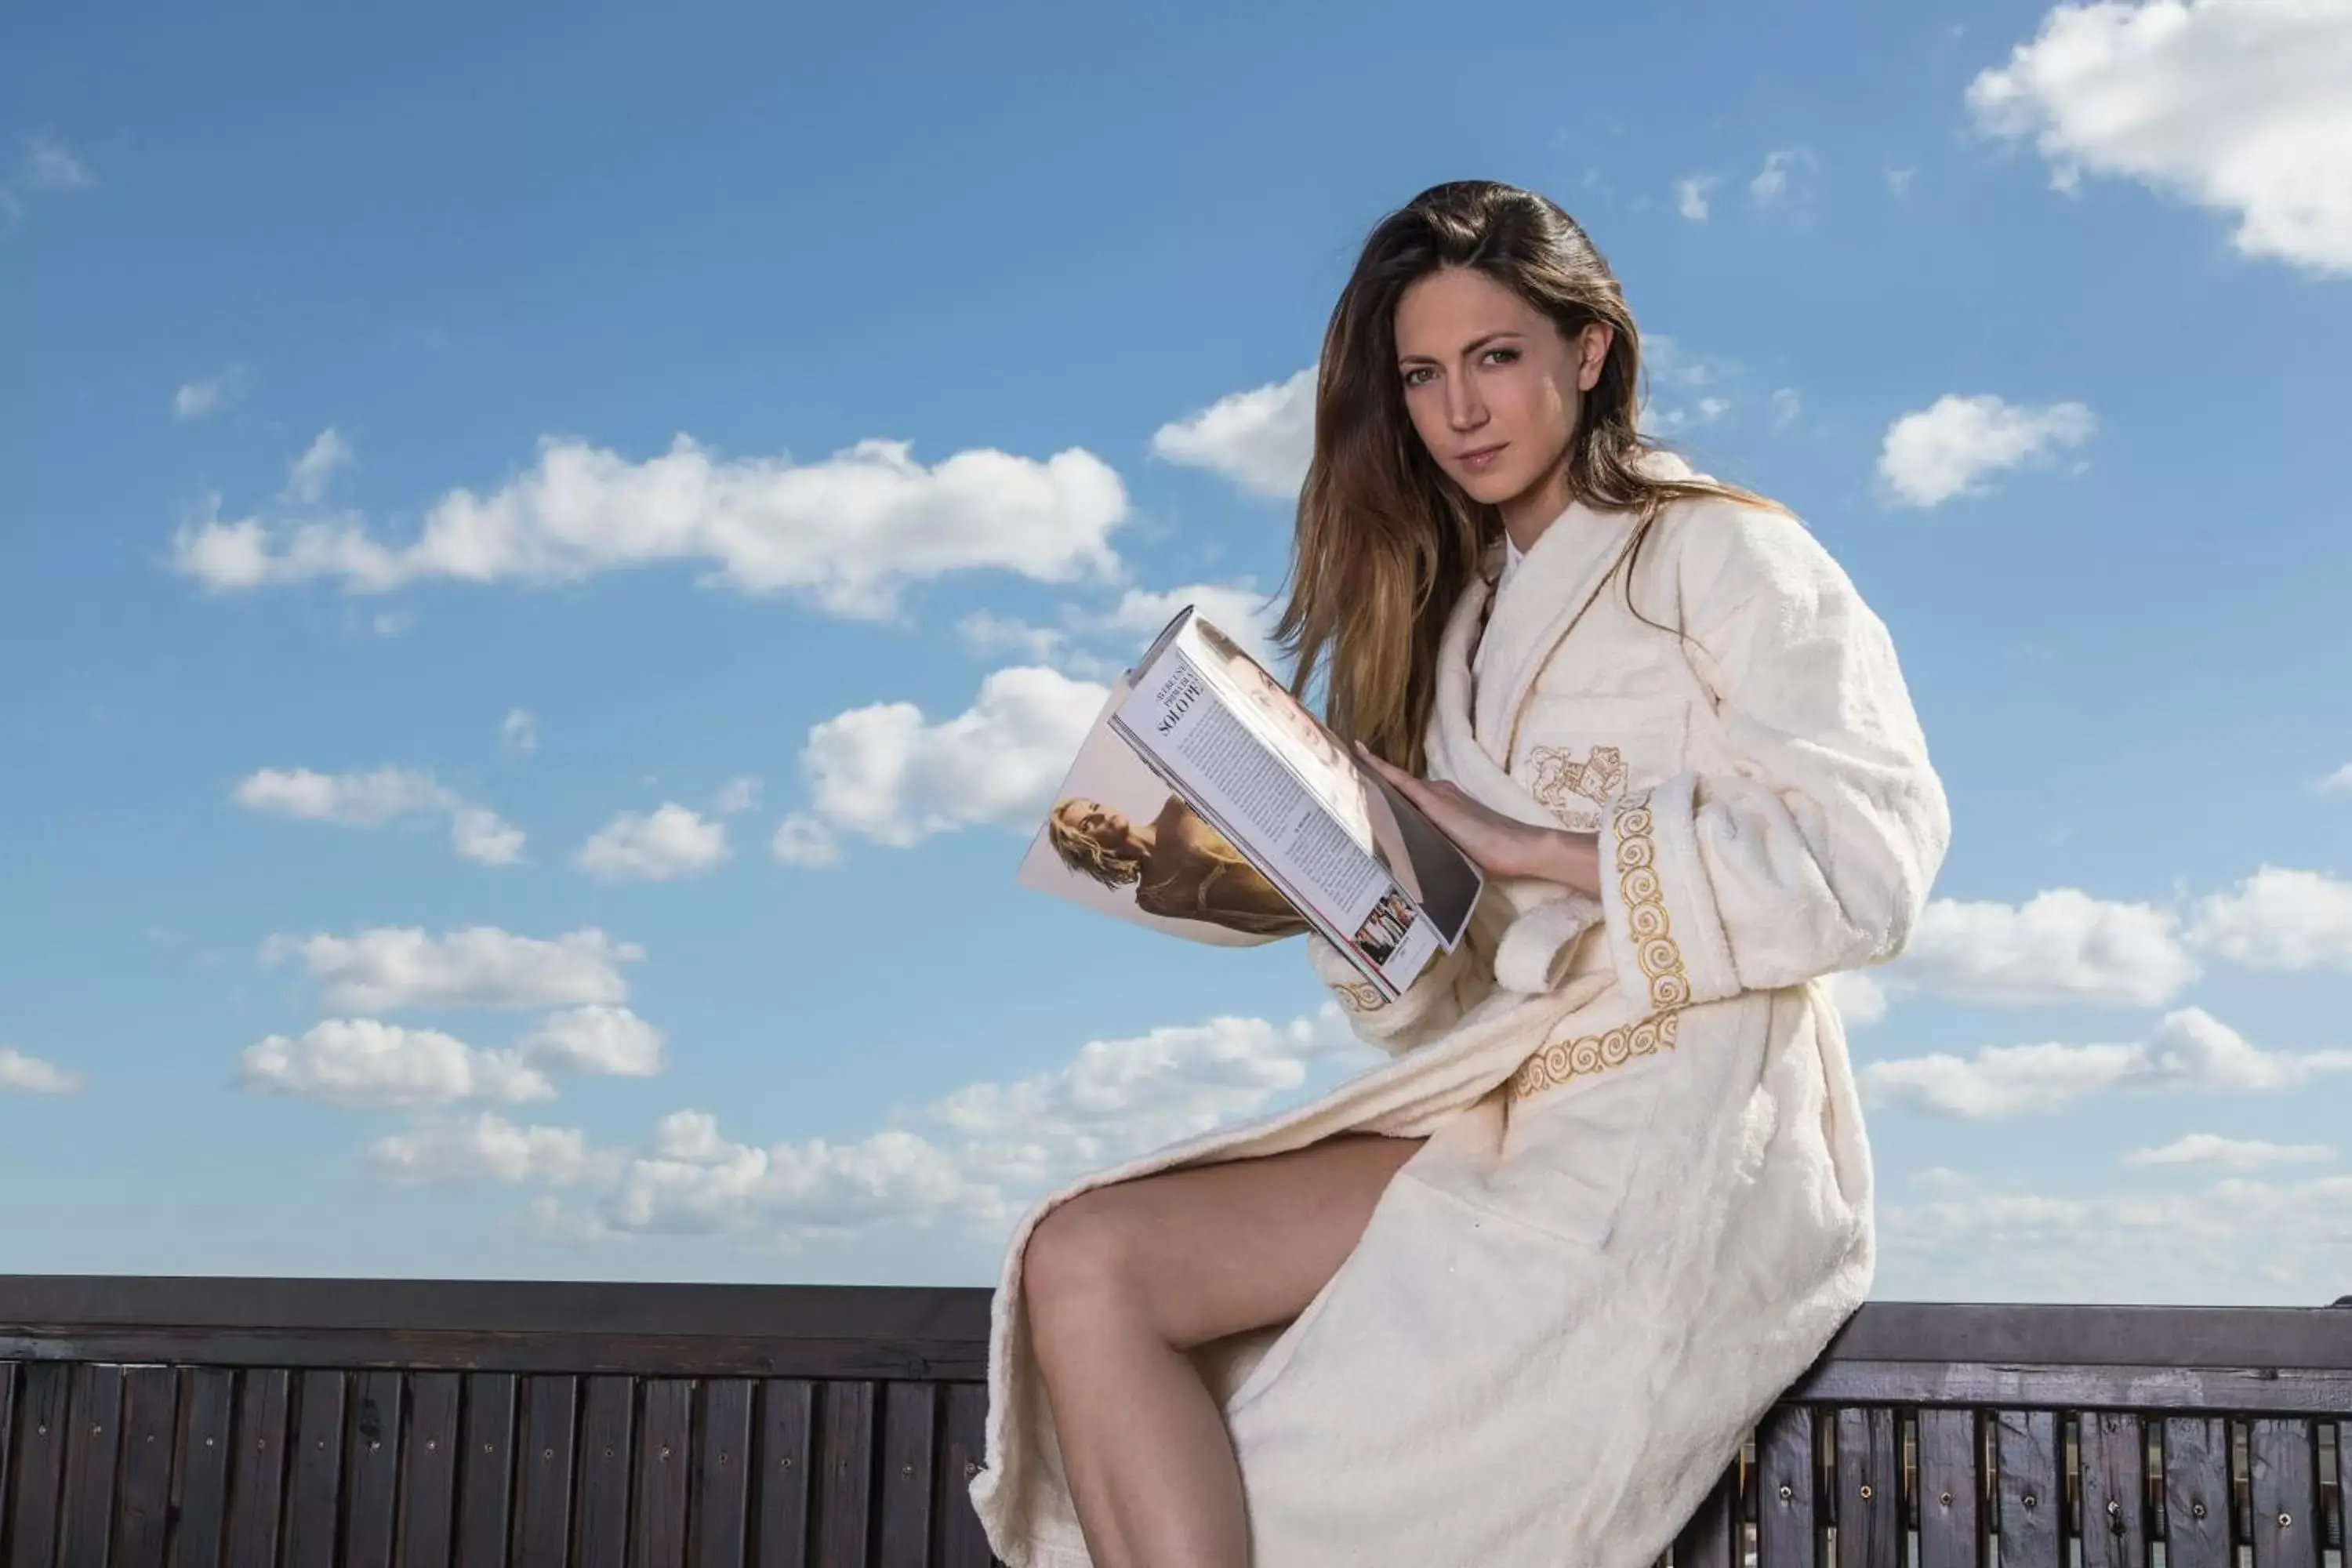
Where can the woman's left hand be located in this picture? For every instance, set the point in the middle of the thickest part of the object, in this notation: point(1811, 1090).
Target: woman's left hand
point(1502, 846)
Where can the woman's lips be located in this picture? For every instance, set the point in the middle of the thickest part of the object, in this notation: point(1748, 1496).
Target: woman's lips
point(1484, 457)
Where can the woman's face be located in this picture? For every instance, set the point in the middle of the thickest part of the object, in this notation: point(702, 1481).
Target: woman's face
point(1104, 827)
point(1482, 369)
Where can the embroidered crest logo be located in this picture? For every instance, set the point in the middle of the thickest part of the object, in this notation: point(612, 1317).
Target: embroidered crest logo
point(1560, 778)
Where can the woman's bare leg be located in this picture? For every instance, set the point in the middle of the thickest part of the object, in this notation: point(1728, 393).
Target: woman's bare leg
point(1122, 1281)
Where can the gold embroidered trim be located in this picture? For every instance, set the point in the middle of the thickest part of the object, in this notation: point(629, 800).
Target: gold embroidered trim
point(1359, 996)
point(1565, 1060)
point(1645, 908)
point(1558, 775)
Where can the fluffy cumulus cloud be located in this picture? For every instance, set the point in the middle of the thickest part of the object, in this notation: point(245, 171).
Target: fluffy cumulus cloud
point(1691, 195)
point(666, 844)
point(848, 533)
point(1789, 174)
point(2059, 946)
point(2337, 782)
point(888, 774)
point(1951, 446)
point(314, 471)
point(368, 1062)
point(30, 1075)
point(371, 797)
point(44, 167)
point(2191, 1050)
point(388, 968)
point(2207, 1149)
point(1261, 439)
point(455, 1150)
point(2238, 106)
point(1095, 645)
point(610, 1041)
point(2279, 919)
point(202, 399)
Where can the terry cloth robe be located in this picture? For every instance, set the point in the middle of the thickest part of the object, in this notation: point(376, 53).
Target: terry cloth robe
point(1644, 1205)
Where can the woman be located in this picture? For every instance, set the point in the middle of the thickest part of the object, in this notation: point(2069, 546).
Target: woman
point(1179, 866)
point(1513, 1297)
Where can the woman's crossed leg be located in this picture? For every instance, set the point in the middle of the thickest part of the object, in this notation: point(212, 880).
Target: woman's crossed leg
point(1122, 1281)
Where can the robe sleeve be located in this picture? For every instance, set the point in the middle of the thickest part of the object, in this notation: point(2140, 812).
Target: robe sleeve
point(1813, 853)
point(1453, 983)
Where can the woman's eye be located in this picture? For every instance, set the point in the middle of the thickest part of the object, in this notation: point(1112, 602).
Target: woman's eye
point(1514, 353)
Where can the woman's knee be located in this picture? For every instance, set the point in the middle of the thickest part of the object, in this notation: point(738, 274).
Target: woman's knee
point(1084, 1257)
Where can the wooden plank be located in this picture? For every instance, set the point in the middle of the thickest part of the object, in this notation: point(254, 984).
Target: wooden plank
point(550, 1414)
point(2112, 1456)
point(1710, 1537)
point(151, 1429)
point(315, 1490)
point(1951, 1489)
point(2030, 1507)
point(429, 1451)
point(2197, 1492)
point(2283, 1485)
point(485, 1474)
point(44, 1406)
point(2280, 1390)
point(1868, 1509)
point(8, 1371)
point(784, 1450)
point(910, 1437)
point(962, 1542)
point(93, 1449)
point(664, 1459)
point(206, 1443)
point(607, 1421)
point(845, 1471)
point(1789, 1522)
point(371, 1470)
point(722, 1474)
point(257, 1479)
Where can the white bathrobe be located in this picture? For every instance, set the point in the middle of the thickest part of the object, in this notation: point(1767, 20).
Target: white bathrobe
point(1644, 1203)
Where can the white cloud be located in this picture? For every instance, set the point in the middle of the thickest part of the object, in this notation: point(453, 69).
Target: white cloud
point(1238, 609)
point(739, 794)
point(1262, 439)
point(847, 533)
point(488, 1148)
point(2058, 946)
point(307, 480)
point(2238, 106)
point(2337, 782)
point(197, 399)
point(46, 167)
point(378, 795)
point(387, 969)
point(886, 774)
point(597, 1038)
point(366, 1062)
point(31, 1075)
point(1787, 173)
point(1898, 180)
point(1859, 998)
point(1947, 448)
point(2231, 1153)
point(519, 733)
point(1690, 196)
point(805, 840)
point(670, 843)
point(2191, 1050)
point(2279, 919)
point(1786, 406)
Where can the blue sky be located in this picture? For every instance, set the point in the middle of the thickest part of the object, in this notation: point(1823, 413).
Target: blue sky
point(551, 556)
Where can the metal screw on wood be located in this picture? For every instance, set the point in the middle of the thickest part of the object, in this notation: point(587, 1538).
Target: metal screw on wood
point(1865, 1491)
point(2030, 1500)
point(2197, 1509)
point(905, 1469)
point(2286, 1519)
point(786, 1461)
point(1787, 1491)
point(1945, 1499)
point(664, 1452)
point(547, 1453)
point(971, 1468)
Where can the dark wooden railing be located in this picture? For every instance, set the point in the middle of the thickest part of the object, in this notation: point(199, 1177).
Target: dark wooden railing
point(258, 1422)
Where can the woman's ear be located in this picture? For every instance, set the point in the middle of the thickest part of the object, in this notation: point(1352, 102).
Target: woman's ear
point(1593, 352)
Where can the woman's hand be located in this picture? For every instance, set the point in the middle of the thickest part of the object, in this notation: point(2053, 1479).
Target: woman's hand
point(1502, 846)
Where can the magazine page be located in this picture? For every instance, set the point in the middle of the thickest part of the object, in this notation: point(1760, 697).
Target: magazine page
point(1117, 840)
point(1222, 764)
point(1429, 866)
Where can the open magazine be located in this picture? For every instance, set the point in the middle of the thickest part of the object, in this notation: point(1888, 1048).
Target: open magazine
point(1208, 802)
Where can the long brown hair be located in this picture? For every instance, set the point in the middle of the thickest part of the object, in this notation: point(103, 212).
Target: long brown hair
point(1385, 542)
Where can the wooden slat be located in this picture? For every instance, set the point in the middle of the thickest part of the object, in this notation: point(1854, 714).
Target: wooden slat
point(2197, 1492)
point(93, 1449)
point(1869, 1507)
point(486, 1472)
point(1710, 1537)
point(607, 1422)
point(42, 1409)
point(844, 1465)
point(2113, 1459)
point(151, 1427)
point(371, 1470)
point(2284, 1389)
point(962, 1542)
point(429, 1452)
point(2283, 1488)
point(786, 1455)
point(722, 1474)
point(257, 1479)
point(1788, 1532)
point(664, 1459)
point(315, 1490)
point(2030, 1508)
point(910, 1437)
point(8, 1370)
point(1951, 1489)
point(550, 1414)
point(207, 1443)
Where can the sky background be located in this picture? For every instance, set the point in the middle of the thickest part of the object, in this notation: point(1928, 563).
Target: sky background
point(552, 557)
